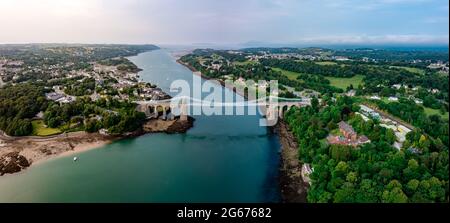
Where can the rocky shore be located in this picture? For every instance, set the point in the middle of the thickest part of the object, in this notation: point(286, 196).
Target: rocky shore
point(168, 126)
point(12, 162)
point(293, 188)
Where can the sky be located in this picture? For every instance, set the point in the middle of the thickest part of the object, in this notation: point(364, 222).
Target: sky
point(225, 21)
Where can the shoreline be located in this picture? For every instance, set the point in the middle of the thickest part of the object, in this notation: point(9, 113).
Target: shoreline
point(293, 188)
point(35, 151)
point(222, 83)
point(83, 147)
point(20, 153)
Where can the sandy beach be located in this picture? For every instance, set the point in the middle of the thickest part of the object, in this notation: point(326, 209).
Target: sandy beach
point(36, 150)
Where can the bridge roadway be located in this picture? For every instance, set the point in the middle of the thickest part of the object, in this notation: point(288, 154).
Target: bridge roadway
point(152, 108)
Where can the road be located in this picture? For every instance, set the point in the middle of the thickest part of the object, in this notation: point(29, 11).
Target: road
point(5, 137)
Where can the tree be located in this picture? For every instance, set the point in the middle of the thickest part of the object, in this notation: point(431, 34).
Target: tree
point(340, 152)
point(367, 192)
point(412, 186)
point(315, 104)
point(390, 136)
point(345, 195)
point(92, 125)
point(394, 194)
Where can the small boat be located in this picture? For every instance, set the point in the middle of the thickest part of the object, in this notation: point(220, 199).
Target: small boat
point(75, 158)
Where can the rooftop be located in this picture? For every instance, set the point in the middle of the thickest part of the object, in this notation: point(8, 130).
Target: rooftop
point(346, 127)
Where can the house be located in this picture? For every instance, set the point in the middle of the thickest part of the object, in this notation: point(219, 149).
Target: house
point(66, 99)
point(349, 138)
point(375, 97)
point(347, 130)
point(53, 96)
point(363, 139)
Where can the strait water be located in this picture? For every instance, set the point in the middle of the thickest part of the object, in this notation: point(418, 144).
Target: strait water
point(221, 159)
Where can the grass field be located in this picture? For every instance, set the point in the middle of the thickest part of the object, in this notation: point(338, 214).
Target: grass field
point(39, 129)
point(326, 63)
point(289, 74)
point(243, 63)
point(343, 83)
point(413, 70)
point(430, 111)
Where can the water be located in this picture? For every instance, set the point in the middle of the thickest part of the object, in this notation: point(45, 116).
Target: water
point(221, 159)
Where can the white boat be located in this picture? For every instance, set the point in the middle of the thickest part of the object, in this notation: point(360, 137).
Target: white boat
point(75, 158)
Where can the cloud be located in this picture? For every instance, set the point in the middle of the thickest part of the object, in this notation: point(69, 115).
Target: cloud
point(232, 21)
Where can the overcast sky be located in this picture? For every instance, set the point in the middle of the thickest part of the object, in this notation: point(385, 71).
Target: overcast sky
point(224, 21)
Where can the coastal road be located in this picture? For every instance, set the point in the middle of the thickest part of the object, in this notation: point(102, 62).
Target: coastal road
point(5, 137)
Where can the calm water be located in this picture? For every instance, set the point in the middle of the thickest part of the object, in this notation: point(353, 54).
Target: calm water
point(221, 159)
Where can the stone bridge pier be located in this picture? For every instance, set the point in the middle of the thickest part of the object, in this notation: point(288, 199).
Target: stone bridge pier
point(274, 111)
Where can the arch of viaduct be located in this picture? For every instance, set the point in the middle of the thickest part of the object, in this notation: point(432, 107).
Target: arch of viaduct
point(152, 109)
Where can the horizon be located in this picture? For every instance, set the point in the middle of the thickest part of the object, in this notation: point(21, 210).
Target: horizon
point(266, 22)
point(191, 46)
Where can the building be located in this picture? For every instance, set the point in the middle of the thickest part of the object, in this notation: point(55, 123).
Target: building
point(369, 112)
point(347, 130)
point(66, 99)
point(53, 96)
point(349, 136)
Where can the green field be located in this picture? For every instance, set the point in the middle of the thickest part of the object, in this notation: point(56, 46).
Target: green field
point(413, 70)
point(343, 83)
point(289, 74)
point(39, 129)
point(243, 63)
point(326, 63)
point(431, 111)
